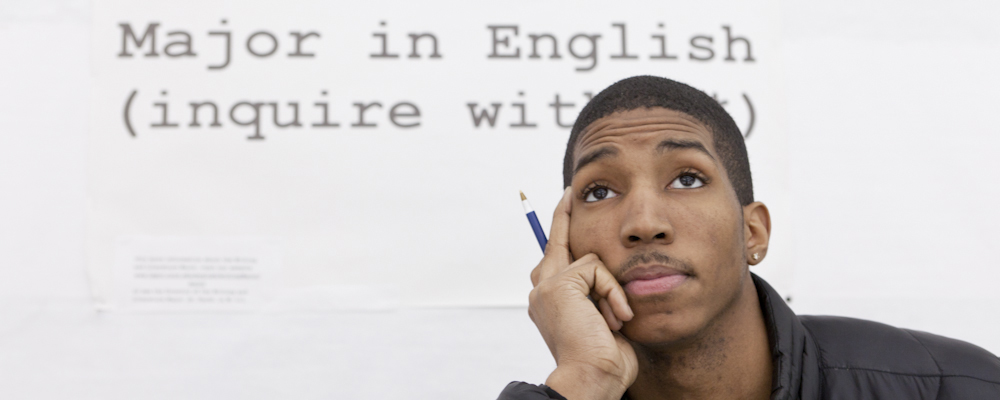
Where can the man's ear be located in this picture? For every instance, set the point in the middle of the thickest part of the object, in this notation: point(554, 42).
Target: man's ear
point(756, 230)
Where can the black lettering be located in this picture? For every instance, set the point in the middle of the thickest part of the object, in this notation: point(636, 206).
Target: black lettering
point(534, 45)
point(484, 114)
point(326, 115)
point(163, 121)
point(150, 33)
point(299, 38)
point(729, 45)
point(361, 114)
point(624, 54)
point(505, 42)
point(558, 105)
point(414, 112)
point(295, 115)
point(385, 45)
point(592, 55)
point(255, 122)
point(229, 46)
point(186, 44)
point(524, 113)
point(274, 44)
point(416, 37)
point(194, 114)
point(663, 47)
point(707, 48)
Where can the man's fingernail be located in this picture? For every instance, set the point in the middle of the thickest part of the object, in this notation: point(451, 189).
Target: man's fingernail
point(568, 198)
point(624, 300)
point(628, 308)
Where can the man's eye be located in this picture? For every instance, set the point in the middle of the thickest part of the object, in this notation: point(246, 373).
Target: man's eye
point(599, 193)
point(687, 182)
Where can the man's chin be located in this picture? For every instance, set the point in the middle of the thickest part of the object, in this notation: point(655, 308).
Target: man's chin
point(661, 329)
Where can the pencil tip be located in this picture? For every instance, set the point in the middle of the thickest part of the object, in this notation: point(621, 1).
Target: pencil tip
point(522, 196)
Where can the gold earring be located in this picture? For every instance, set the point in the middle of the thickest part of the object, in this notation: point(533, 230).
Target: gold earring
point(756, 256)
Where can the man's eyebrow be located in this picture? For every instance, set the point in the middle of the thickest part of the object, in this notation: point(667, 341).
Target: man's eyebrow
point(675, 144)
point(594, 156)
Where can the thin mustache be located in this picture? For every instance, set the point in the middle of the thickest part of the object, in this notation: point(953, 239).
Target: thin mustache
point(643, 258)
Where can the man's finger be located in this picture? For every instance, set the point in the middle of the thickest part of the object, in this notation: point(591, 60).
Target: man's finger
point(555, 269)
point(609, 315)
point(608, 287)
point(558, 247)
point(598, 279)
point(557, 256)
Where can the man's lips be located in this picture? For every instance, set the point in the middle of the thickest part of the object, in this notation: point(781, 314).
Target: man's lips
point(652, 279)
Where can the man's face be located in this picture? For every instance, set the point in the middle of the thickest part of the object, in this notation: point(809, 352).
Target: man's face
point(653, 201)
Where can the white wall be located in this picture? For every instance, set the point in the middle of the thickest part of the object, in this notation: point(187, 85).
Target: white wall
point(890, 115)
point(893, 135)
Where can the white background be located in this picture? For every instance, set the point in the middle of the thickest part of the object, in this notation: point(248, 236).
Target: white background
point(892, 139)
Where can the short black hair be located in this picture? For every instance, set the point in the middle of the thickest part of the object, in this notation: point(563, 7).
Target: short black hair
point(652, 91)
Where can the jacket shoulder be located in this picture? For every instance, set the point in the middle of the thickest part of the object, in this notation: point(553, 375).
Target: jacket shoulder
point(955, 356)
point(862, 351)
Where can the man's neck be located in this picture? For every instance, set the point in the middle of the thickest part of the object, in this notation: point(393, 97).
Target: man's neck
point(730, 360)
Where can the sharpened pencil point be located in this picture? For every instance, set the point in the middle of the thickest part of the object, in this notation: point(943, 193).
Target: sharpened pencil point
point(522, 196)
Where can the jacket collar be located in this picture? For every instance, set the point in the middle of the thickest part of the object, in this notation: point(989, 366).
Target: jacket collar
point(794, 354)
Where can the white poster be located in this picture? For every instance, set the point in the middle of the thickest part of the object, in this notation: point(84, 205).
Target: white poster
point(382, 145)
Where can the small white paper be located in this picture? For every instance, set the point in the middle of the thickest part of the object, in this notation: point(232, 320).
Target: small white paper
point(195, 273)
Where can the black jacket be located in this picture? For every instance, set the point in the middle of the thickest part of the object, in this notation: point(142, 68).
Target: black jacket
point(820, 357)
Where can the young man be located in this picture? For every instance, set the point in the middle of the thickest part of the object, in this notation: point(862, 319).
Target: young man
point(658, 226)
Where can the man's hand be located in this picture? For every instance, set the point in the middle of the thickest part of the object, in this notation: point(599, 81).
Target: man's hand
point(593, 360)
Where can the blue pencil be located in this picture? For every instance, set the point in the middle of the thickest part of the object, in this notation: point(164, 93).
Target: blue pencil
point(533, 220)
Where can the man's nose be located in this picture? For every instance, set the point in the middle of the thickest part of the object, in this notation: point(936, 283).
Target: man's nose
point(646, 219)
